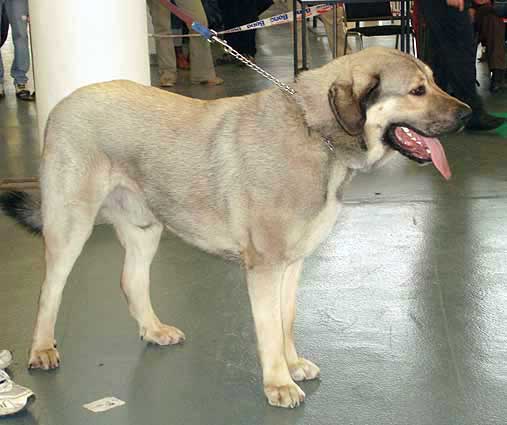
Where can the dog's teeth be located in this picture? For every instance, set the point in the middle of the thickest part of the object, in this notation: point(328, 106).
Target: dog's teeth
point(405, 129)
point(428, 151)
point(418, 143)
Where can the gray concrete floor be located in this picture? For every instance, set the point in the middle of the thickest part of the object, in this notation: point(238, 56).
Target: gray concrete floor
point(403, 308)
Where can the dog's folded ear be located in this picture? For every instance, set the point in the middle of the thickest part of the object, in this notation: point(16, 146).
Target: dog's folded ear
point(349, 100)
point(338, 95)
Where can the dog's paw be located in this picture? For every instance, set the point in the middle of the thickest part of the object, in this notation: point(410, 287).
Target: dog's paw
point(45, 359)
point(163, 335)
point(304, 370)
point(289, 395)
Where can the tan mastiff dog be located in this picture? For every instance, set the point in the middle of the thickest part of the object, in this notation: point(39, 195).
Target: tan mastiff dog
point(258, 178)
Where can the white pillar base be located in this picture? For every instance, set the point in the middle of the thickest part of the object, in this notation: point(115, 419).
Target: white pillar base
point(76, 43)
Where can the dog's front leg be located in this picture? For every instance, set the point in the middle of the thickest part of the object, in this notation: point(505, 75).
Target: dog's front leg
point(300, 368)
point(264, 288)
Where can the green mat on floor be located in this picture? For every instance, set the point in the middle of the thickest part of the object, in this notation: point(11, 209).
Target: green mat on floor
point(502, 130)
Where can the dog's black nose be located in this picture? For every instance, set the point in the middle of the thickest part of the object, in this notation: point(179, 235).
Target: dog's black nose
point(464, 114)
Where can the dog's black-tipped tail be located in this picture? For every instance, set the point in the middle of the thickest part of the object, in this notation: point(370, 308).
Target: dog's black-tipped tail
point(23, 207)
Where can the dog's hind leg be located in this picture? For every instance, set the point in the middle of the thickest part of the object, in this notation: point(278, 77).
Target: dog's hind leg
point(300, 368)
point(265, 290)
point(140, 243)
point(67, 225)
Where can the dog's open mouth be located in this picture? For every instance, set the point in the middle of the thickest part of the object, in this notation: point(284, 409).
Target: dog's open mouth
point(419, 148)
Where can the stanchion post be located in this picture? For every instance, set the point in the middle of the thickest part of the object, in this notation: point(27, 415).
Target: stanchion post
point(335, 32)
point(303, 37)
point(402, 25)
point(304, 46)
point(408, 20)
point(295, 36)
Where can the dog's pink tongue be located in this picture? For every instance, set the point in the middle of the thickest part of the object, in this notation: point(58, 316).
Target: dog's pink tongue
point(438, 157)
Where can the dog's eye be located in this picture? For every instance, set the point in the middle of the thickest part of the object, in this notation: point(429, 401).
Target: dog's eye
point(419, 91)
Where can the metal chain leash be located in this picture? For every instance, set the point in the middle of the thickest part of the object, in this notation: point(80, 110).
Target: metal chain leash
point(281, 85)
point(212, 36)
point(228, 49)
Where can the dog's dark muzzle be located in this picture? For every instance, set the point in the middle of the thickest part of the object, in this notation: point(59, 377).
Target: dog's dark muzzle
point(464, 114)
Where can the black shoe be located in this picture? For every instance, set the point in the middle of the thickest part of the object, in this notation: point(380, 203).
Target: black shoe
point(23, 93)
point(497, 80)
point(250, 58)
point(226, 59)
point(482, 121)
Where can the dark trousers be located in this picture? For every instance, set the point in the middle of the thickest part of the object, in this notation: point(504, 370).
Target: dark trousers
point(491, 30)
point(235, 13)
point(452, 50)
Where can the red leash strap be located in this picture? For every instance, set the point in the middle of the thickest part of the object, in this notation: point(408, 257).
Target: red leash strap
point(178, 12)
point(191, 23)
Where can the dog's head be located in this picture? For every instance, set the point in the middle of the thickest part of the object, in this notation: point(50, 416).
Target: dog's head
point(385, 101)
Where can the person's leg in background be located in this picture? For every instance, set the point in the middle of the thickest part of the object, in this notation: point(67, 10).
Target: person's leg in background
point(491, 31)
point(231, 16)
point(182, 61)
point(451, 36)
point(202, 69)
point(437, 63)
point(17, 12)
point(341, 28)
point(2, 90)
point(250, 44)
point(244, 43)
point(160, 17)
point(236, 13)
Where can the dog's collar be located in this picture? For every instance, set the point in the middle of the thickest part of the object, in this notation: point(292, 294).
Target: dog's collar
point(329, 142)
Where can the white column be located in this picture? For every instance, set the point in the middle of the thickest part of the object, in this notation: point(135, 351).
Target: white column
point(79, 42)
